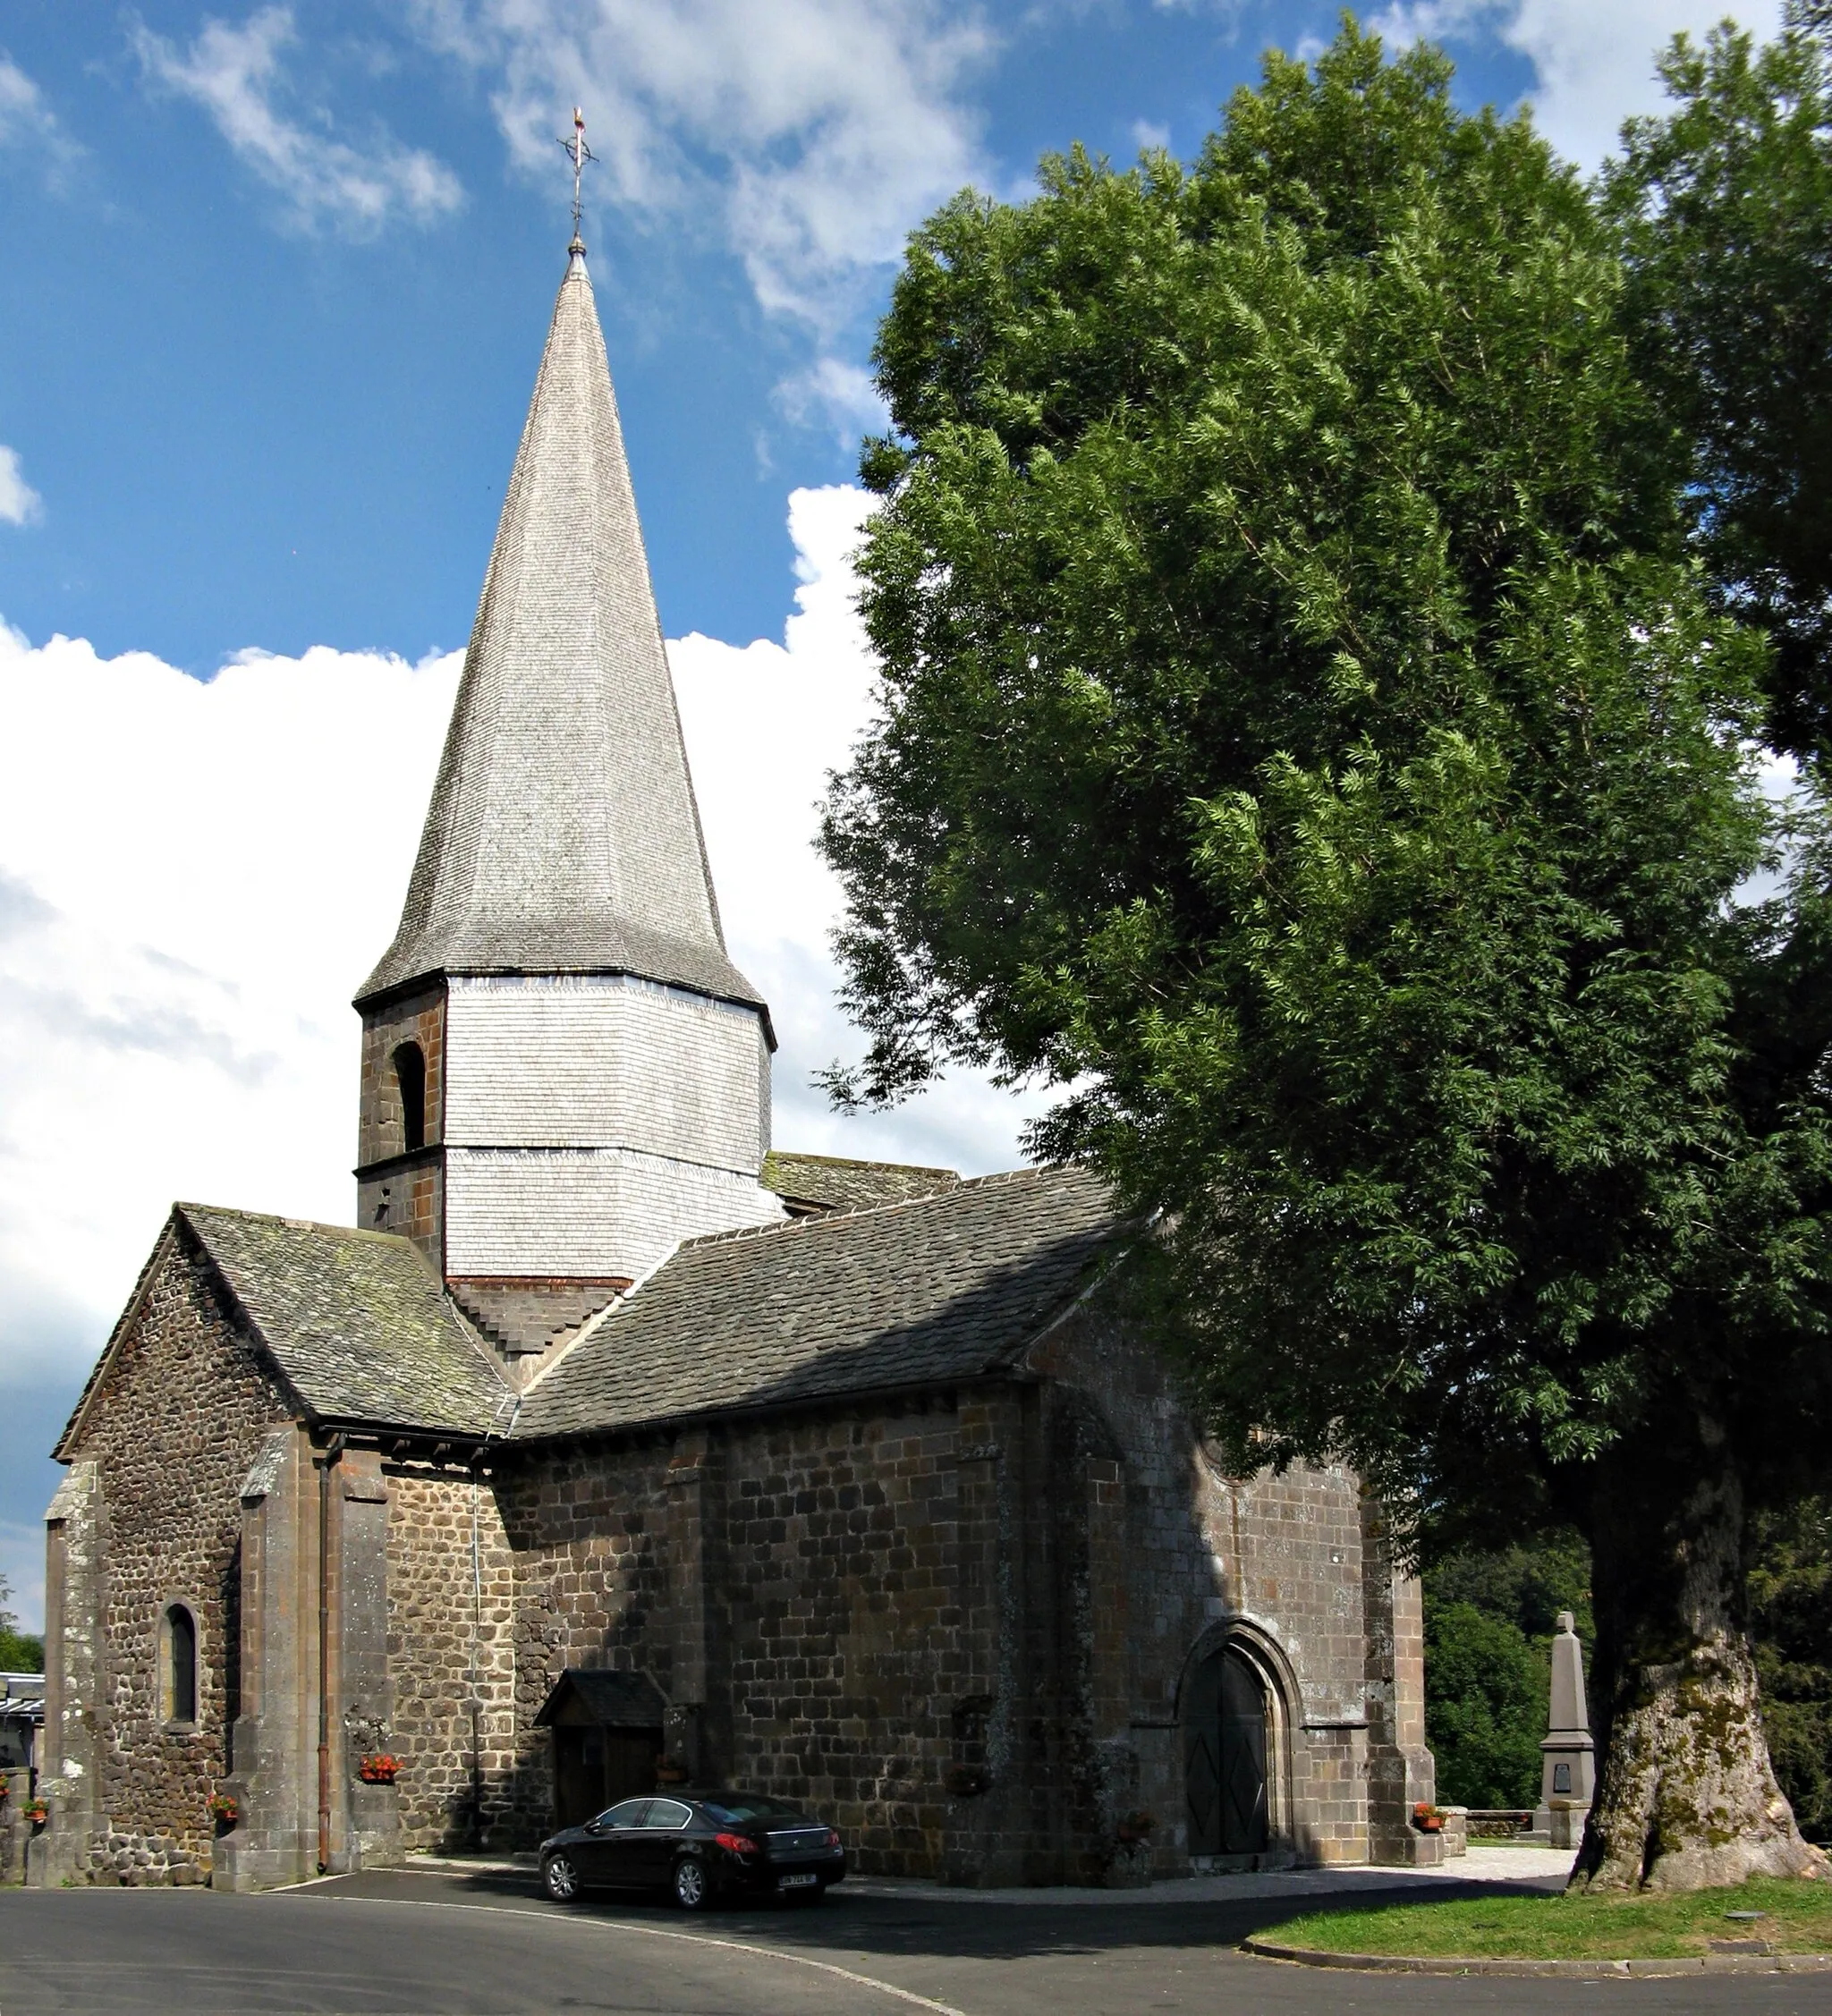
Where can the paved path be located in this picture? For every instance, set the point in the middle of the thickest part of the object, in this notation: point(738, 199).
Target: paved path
point(487, 1944)
point(1540, 1867)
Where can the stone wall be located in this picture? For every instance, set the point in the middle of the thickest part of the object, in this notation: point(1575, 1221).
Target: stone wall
point(961, 1627)
point(587, 1529)
point(792, 1589)
point(418, 1018)
point(172, 1429)
point(407, 1193)
point(1274, 1563)
point(451, 1655)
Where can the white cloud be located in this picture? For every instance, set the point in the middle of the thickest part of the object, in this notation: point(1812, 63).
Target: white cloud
point(24, 113)
point(841, 393)
point(194, 879)
point(1593, 59)
point(1150, 137)
point(818, 130)
point(27, 121)
point(764, 726)
point(234, 73)
point(19, 503)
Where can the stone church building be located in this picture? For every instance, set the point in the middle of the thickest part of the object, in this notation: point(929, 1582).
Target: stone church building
point(609, 1438)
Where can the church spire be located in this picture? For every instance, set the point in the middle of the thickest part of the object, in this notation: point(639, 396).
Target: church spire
point(562, 836)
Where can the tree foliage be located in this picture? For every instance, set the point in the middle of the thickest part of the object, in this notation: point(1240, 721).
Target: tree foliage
point(1791, 1624)
point(1490, 1618)
point(1306, 739)
point(20, 1651)
point(1485, 1707)
point(1303, 736)
point(1726, 205)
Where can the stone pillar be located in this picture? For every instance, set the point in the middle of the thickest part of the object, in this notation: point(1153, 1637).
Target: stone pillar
point(1400, 1772)
point(70, 1757)
point(1125, 1865)
point(988, 1827)
point(273, 1741)
point(1568, 1780)
point(688, 1482)
point(367, 1823)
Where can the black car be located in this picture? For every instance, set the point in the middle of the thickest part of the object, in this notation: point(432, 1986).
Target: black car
point(701, 1849)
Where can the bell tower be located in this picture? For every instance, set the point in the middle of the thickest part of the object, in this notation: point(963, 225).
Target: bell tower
point(564, 1074)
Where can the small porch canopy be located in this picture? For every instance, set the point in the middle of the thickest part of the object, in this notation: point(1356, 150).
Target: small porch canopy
point(586, 1697)
point(607, 1735)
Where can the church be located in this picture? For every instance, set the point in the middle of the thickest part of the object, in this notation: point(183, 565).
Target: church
point(612, 1446)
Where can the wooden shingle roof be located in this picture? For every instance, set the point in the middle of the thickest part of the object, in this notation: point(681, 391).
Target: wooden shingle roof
point(562, 836)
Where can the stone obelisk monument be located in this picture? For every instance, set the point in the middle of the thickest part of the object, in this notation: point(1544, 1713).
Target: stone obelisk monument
point(1568, 1777)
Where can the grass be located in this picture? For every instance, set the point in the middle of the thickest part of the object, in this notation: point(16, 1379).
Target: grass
point(1796, 1919)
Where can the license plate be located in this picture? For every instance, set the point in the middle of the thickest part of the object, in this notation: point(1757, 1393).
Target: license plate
point(795, 1881)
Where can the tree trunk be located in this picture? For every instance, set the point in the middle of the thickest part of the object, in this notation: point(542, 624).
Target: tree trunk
point(1686, 1798)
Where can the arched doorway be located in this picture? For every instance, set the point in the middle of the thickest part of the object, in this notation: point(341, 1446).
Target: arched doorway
point(1227, 1719)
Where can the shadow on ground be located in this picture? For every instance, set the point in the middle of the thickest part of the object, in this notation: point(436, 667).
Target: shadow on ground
point(937, 1927)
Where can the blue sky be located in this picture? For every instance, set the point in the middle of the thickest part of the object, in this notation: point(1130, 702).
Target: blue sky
point(275, 285)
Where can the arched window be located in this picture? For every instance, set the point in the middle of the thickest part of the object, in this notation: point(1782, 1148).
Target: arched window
point(179, 1677)
point(410, 1074)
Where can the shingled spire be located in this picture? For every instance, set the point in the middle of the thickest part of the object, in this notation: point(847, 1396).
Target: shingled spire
point(562, 836)
point(562, 1072)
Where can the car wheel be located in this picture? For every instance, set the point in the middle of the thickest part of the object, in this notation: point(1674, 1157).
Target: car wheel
point(691, 1891)
point(559, 1875)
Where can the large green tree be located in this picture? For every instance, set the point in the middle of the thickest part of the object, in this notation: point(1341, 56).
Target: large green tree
point(20, 1651)
point(1303, 740)
point(1726, 207)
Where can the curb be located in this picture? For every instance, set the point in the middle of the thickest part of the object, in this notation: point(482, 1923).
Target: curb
point(1556, 1970)
point(470, 1865)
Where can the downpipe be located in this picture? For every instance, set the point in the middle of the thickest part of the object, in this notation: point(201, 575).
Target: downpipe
point(333, 1449)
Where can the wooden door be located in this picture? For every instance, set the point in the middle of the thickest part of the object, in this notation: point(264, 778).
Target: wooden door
point(579, 1775)
point(1202, 1758)
point(630, 1759)
point(1241, 1757)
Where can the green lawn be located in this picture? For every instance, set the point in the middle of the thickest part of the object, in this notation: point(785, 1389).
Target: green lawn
point(1796, 1918)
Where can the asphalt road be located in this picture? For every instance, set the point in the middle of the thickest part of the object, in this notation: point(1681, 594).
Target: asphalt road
point(388, 1945)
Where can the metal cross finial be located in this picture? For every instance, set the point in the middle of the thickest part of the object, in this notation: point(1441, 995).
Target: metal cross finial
point(580, 154)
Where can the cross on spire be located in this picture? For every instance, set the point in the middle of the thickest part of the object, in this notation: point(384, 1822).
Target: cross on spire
point(580, 154)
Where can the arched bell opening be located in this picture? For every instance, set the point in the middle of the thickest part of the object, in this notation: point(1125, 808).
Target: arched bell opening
point(1235, 1708)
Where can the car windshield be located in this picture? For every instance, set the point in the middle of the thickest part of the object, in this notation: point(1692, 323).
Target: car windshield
point(751, 1806)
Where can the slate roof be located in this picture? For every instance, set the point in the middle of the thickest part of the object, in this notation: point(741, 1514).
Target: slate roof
point(939, 1288)
point(562, 836)
point(828, 1183)
point(615, 1700)
point(357, 1321)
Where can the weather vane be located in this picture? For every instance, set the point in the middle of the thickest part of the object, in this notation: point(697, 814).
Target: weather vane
point(579, 155)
